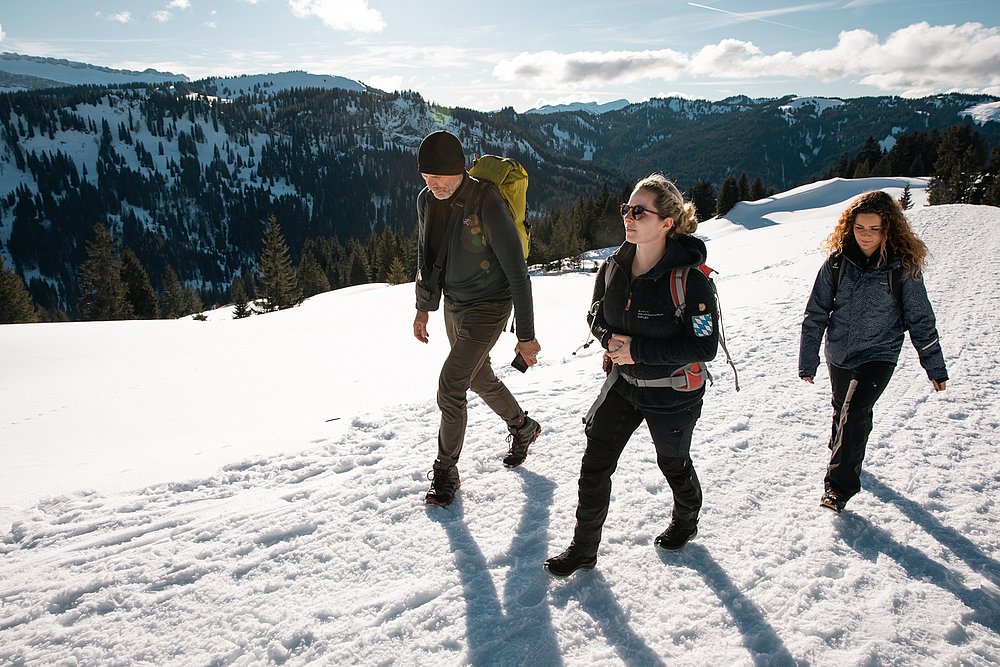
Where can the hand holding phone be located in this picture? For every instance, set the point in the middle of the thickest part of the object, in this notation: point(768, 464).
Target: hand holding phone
point(519, 363)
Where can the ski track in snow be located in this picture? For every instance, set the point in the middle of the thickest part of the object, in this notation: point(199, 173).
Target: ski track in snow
point(328, 555)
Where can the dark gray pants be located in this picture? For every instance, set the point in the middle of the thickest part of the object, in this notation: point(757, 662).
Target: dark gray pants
point(472, 330)
point(611, 424)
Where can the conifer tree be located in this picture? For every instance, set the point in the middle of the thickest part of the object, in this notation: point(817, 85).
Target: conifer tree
point(357, 265)
point(906, 199)
point(397, 273)
point(241, 304)
point(15, 301)
point(744, 184)
point(192, 301)
point(960, 157)
point(702, 195)
point(729, 196)
point(173, 299)
point(279, 284)
point(139, 290)
point(311, 276)
point(757, 189)
point(102, 291)
point(991, 180)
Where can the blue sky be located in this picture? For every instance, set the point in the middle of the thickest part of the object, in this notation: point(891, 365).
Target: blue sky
point(534, 53)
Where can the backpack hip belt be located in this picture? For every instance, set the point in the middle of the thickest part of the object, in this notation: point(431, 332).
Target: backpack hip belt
point(686, 378)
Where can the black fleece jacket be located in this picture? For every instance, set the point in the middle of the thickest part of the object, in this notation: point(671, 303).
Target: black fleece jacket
point(642, 308)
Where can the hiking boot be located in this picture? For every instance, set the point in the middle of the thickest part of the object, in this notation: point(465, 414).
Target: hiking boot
point(834, 501)
point(675, 536)
point(569, 561)
point(520, 437)
point(444, 484)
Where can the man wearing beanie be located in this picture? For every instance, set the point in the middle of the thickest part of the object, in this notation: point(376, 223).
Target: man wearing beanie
point(469, 251)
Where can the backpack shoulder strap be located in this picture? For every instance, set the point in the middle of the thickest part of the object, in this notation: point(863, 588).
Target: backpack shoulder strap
point(678, 289)
point(838, 267)
point(457, 212)
point(896, 285)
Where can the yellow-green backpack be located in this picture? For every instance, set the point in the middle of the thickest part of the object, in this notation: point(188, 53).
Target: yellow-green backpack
point(511, 179)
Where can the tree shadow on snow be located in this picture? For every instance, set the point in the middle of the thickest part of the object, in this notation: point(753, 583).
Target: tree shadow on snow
point(962, 546)
point(870, 541)
point(518, 630)
point(594, 595)
point(759, 637)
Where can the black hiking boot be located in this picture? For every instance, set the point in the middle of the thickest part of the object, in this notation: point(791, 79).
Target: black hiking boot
point(675, 536)
point(520, 437)
point(834, 501)
point(569, 561)
point(444, 484)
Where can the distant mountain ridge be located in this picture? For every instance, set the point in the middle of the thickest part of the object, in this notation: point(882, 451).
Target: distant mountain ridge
point(22, 72)
point(594, 108)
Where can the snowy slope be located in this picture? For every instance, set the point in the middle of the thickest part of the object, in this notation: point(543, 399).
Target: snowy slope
point(176, 495)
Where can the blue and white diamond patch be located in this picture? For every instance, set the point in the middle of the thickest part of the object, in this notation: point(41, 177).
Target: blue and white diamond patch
point(702, 325)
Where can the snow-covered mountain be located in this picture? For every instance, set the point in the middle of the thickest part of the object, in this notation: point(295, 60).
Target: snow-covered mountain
point(250, 492)
point(234, 86)
point(593, 108)
point(22, 72)
point(984, 113)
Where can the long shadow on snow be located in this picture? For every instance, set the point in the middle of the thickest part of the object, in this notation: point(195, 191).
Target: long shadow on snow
point(760, 638)
point(594, 595)
point(870, 541)
point(519, 630)
point(962, 546)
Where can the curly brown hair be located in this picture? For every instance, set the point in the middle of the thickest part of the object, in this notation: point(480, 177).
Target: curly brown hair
point(670, 202)
point(896, 232)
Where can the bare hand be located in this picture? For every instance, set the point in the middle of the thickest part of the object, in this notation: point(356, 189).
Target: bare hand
point(528, 349)
point(808, 379)
point(420, 326)
point(939, 386)
point(620, 349)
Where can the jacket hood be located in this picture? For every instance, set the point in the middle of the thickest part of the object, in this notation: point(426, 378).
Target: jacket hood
point(682, 250)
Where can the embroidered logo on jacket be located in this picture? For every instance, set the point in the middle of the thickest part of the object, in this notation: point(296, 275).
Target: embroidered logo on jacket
point(702, 325)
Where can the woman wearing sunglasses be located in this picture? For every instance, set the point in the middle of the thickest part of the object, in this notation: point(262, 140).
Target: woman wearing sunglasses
point(652, 352)
point(867, 293)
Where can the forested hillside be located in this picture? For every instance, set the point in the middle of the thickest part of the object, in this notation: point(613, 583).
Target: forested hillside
point(185, 176)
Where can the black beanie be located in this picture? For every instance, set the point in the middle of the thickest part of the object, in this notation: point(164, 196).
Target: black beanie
point(441, 154)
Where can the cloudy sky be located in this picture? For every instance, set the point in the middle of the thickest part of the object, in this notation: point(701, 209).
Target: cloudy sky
point(470, 54)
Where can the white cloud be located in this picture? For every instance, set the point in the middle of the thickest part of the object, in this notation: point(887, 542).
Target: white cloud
point(179, 4)
point(587, 67)
point(119, 17)
point(920, 59)
point(2, 33)
point(351, 15)
point(162, 15)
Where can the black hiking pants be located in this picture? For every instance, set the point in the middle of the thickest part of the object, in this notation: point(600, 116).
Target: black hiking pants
point(855, 392)
point(611, 424)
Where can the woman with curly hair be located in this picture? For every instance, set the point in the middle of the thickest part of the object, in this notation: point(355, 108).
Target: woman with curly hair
point(653, 352)
point(868, 292)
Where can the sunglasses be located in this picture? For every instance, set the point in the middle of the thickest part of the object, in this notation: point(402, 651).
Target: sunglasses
point(637, 211)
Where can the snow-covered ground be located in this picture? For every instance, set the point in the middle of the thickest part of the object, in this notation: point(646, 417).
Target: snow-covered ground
point(251, 492)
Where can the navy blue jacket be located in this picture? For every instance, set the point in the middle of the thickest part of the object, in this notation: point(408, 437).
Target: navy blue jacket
point(865, 323)
point(642, 308)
